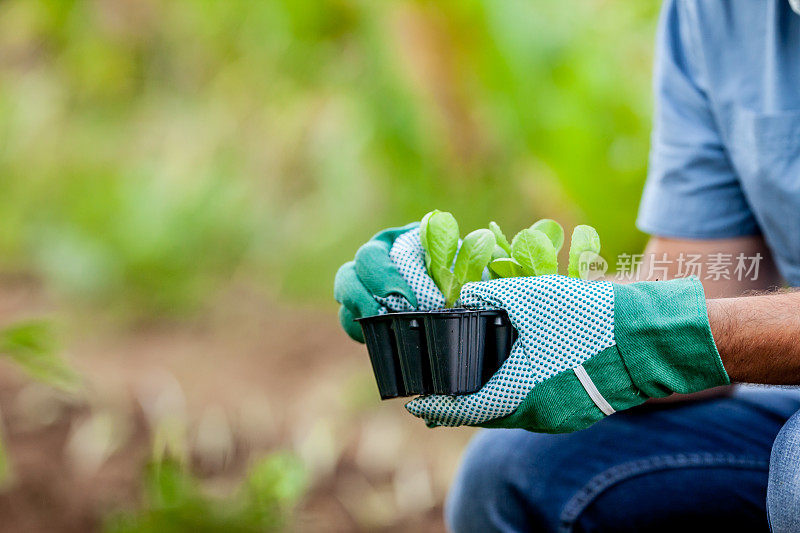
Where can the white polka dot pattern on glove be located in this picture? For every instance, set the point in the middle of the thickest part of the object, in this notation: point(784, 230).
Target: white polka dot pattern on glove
point(561, 321)
point(409, 257)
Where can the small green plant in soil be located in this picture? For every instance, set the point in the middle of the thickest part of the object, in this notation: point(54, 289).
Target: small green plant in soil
point(532, 252)
point(174, 500)
point(439, 235)
point(32, 346)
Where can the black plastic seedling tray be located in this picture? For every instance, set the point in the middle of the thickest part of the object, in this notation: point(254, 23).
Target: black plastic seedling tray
point(449, 351)
point(382, 348)
point(412, 350)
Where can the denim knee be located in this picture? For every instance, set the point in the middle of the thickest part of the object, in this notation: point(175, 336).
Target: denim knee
point(479, 486)
point(783, 489)
point(497, 484)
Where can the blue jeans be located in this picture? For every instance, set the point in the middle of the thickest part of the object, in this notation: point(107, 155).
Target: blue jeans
point(700, 466)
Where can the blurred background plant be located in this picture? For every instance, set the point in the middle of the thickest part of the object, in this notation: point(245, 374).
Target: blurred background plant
point(33, 348)
point(151, 151)
point(195, 171)
point(174, 500)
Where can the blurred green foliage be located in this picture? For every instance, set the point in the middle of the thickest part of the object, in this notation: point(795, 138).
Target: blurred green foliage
point(175, 502)
point(32, 346)
point(150, 152)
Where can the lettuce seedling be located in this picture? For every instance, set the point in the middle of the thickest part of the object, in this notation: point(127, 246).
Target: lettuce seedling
point(534, 251)
point(439, 237)
point(502, 250)
point(500, 238)
point(506, 267)
point(584, 239)
point(438, 234)
point(473, 256)
point(498, 253)
point(553, 230)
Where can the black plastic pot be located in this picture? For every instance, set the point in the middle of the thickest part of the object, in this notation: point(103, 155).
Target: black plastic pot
point(449, 351)
point(412, 350)
point(382, 348)
point(456, 339)
point(500, 338)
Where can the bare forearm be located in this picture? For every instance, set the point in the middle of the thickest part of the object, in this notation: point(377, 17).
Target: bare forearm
point(671, 249)
point(758, 337)
point(722, 287)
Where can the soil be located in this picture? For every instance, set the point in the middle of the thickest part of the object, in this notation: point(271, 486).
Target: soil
point(242, 380)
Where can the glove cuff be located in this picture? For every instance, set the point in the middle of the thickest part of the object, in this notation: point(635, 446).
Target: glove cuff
point(661, 329)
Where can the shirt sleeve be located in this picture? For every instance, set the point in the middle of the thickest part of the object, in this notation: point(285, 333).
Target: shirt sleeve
point(692, 190)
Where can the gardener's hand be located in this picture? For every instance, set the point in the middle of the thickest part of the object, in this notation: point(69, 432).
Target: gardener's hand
point(388, 274)
point(585, 350)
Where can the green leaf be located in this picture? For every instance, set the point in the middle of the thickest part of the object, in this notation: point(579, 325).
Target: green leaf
point(498, 252)
point(475, 253)
point(168, 484)
point(32, 346)
point(500, 237)
point(584, 239)
point(533, 250)
point(279, 479)
point(505, 267)
point(448, 284)
point(441, 238)
point(441, 244)
point(553, 230)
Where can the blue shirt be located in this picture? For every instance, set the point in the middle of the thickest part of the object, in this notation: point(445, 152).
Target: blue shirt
point(725, 155)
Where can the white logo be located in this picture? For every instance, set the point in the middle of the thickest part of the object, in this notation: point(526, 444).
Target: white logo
point(592, 266)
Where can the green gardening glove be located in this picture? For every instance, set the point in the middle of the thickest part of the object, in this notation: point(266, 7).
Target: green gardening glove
point(585, 350)
point(372, 274)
